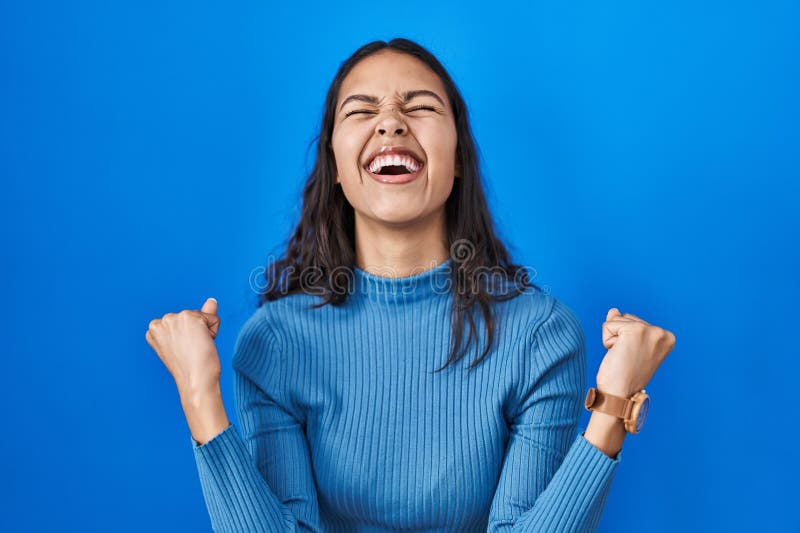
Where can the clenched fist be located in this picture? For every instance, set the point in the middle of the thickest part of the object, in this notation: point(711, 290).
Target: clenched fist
point(635, 350)
point(185, 343)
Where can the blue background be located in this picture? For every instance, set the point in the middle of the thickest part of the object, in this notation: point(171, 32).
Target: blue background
point(639, 156)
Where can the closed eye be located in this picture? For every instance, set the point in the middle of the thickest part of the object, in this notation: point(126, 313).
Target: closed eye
point(429, 108)
point(356, 112)
point(418, 108)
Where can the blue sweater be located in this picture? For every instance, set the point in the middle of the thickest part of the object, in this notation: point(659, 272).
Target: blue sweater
point(344, 427)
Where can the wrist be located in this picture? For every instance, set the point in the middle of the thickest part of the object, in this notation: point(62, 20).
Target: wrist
point(620, 390)
point(198, 391)
point(606, 432)
point(631, 411)
point(205, 413)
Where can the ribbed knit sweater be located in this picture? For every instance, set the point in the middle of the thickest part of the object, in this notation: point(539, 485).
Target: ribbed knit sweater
point(345, 427)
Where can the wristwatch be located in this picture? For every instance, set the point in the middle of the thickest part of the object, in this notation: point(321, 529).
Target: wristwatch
point(632, 410)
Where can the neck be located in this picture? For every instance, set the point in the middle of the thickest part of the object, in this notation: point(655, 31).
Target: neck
point(429, 285)
point(401, 250)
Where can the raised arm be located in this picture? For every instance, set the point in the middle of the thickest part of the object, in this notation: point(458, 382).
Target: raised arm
point(552, 478)
point(261, 479)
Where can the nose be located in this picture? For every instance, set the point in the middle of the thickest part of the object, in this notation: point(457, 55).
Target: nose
point(391, 122)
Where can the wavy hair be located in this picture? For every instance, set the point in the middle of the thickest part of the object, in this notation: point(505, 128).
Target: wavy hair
point(323, 242)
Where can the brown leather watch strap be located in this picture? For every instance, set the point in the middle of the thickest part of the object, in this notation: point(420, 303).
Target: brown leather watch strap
point(606, 403)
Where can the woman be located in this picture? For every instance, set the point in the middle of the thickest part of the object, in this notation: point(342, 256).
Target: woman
point(349, 419)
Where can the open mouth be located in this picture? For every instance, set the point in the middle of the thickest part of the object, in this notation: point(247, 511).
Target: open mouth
point(395, 174)
point(394, 168)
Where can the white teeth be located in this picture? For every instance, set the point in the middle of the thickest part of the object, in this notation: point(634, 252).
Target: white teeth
point(397, 160)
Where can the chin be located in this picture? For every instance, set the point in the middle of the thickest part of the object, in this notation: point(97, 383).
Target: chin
point(397, 216)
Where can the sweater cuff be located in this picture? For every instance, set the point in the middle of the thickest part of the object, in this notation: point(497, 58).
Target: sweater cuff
point(591, 458)
point(222, 433)
point(237, 496)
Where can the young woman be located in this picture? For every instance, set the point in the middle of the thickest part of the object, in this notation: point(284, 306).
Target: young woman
point(358, 410)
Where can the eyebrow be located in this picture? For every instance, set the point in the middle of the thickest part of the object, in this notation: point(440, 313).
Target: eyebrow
point(408, 95)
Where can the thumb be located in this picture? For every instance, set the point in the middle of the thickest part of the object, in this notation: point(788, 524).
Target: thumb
point(209, 309)
point(610, 336)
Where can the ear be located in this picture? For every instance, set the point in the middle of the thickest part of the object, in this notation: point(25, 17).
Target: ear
point(459, 171)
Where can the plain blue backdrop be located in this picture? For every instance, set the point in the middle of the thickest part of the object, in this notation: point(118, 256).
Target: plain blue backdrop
point(637, 155)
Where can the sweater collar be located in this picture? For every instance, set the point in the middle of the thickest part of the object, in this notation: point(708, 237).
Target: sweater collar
point(424, 283)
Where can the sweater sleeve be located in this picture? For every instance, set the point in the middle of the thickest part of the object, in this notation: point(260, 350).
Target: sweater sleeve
point(260, 479)
point(552, 479)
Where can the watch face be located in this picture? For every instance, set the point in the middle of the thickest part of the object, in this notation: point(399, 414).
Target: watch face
point(642, 414)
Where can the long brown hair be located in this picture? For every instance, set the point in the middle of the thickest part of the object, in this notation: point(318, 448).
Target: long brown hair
point(324, 240)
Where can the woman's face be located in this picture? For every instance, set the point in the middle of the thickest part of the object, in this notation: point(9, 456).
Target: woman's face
point(372, 113)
